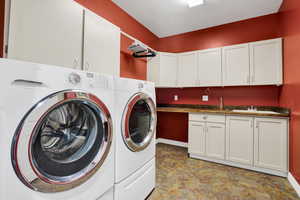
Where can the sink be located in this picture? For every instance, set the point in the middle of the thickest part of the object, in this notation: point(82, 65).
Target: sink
point(256, 111)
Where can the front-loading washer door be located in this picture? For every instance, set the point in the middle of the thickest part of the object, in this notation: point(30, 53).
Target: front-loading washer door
point(139, 122)
point(62, 141)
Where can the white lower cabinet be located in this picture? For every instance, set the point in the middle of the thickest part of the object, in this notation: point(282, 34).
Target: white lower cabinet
point(207, 138)
point(196, 139)
point(215, 140)
point(270, 144)
point(255, 143)
point(239, 139)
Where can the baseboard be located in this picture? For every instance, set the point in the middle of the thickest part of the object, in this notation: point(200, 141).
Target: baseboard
point(243, 166)
point(294, 183)
point(171, 142)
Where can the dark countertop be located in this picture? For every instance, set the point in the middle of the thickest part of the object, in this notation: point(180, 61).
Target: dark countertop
point(185, 108)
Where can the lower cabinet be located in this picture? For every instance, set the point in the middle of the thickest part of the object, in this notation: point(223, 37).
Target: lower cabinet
point(207, 138)
point(270, 143)
point(196, 144)
point(215, 140)
point(256, 143)
point(239, 139)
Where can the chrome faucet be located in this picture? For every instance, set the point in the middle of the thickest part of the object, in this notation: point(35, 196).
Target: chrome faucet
point(252, 108)
point(221, 103)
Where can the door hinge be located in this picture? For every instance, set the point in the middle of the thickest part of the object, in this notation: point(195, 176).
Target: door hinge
point(6, 49)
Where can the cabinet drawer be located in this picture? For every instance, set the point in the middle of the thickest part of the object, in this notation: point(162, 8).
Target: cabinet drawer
point(207, 118)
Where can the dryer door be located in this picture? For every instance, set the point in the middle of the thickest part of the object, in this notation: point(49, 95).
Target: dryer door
point(62, 141)
point(139, 122)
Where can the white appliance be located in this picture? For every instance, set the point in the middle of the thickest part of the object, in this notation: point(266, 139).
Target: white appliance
point(135, 138)
point(56, 133)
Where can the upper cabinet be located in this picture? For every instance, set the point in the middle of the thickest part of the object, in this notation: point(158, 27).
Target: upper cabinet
point(266, 62)
point(236, 62)
point(210, 67)
point(187, 70)
point(48, 32)
point(256, 63)
point(101, 52)
point(62, 33)
point(162, 70)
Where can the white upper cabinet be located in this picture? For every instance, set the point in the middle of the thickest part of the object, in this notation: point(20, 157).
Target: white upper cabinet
point(168, 70)
point(47, 31)
point(187, 69)
point(101, 52)
point(266, 62)
point(210, 67)
point(162, 70)
point(239, 139)
point(271, 143)
point(236, 63)
point(256, 63)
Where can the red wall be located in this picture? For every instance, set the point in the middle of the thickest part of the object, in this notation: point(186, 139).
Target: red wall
point(131, 67)
point(259, 95)
point(260, 28)
point(2, 8)
point(290, 95)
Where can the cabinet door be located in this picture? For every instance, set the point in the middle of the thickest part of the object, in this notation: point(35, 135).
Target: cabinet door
point(187, 70)
point(101, 45)
point(236, 65)
point(153, 65)
point(168, 70)
point(48, 32)
point(239, 139)
point(271, 144)
point(266, 62)
point(196, 143)
point(215, 140)
point(210, 67)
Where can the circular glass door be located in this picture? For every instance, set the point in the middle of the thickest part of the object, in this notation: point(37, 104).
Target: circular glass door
point(139, 122)
point(62, 141)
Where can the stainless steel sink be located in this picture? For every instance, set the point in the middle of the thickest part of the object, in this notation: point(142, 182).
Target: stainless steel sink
point(256, 111)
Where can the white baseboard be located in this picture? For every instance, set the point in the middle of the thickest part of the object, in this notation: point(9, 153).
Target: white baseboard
point(243, 166)
point(294, 183)
point(171, 142)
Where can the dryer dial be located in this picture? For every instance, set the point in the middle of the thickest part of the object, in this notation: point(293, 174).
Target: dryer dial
point(74, 78)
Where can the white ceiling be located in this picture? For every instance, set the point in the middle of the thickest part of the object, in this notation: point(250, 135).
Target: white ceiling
point(171, 17)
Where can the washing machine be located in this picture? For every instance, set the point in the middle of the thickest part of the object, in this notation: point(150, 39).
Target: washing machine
point(56, 140)
point(135, 106)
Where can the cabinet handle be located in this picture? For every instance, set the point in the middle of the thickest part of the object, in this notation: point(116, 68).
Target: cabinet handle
point(253, 79)
point(87, 66)
point(248, 79)
point(75, 64)
point(216, 127)
point(251, 124)
point(205, 117)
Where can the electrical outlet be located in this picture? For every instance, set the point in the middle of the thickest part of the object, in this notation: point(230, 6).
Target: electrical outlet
point(205, 98)
point(176, 98)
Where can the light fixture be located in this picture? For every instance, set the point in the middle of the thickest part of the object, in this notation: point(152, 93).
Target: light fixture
point(194, 3)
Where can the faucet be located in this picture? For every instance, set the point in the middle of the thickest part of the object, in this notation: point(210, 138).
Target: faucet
point(221, 103)
point(252, 108)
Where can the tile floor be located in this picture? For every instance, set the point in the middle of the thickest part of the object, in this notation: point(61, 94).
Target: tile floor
point(182, 178)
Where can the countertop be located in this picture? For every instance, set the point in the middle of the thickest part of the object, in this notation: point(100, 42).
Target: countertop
point(228, 110)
